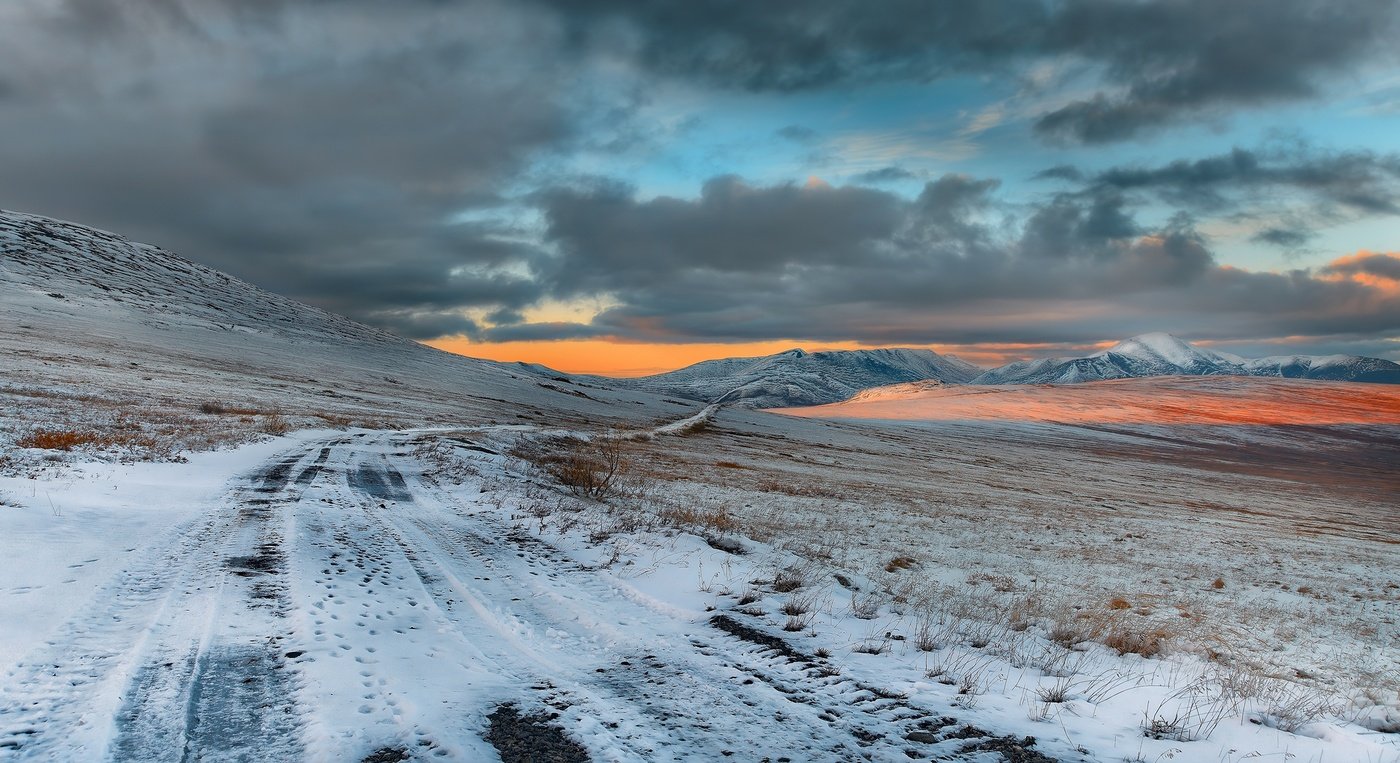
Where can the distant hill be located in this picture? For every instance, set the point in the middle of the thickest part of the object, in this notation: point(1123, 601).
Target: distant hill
point(797, 377)
point(1165, 355)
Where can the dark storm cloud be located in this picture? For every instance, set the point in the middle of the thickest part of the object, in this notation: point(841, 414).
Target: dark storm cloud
point(1158, 63)
point(1187, 58)
point(320, 152)
point(746, 262)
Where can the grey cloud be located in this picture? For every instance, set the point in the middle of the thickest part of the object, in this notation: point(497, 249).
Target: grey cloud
point(785, 47)
point(1184, 59)
point(1288, 238)
point(1059, 172)
point(885, 175)
point(1383, 265)
point(948, 266)
point(550, 331)
point(1363, 181)
point(798, 134)
point(1158, 63)
point(505, 317)
point(328, 172)
point(427, 325)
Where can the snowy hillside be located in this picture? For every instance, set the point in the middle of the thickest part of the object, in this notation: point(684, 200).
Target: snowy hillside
point(797, 377)
point(1161, 354)
point(87, 312)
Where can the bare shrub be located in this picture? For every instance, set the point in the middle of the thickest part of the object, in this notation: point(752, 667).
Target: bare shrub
point(589, 468)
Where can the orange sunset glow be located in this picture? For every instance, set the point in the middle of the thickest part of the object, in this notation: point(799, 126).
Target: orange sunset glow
point(1172, 401)
point(624, 359)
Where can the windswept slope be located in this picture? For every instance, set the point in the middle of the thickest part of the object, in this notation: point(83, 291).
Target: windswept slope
point(1160, 354)
point(89, 313)
point(797, 377)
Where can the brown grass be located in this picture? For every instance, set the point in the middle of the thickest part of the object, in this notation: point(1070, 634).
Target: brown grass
point(1119, 603)
point(58, 439)
point(716, 520)
point(900, 563)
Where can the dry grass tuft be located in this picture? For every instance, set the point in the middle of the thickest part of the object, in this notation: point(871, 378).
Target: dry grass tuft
point(58, 439)
point(900, 563)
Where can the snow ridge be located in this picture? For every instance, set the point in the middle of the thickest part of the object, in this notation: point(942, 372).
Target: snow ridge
point(797, 377)
point(1160, 354)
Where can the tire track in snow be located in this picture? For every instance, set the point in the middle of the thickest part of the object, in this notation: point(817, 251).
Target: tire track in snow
point(713, 694)
point(143, 674)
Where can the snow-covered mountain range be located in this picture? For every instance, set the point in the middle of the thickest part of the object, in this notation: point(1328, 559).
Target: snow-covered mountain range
point(1165, 355)
point(797, 377)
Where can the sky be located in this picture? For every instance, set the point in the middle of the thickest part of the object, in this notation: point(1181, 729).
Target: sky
point(628, 187)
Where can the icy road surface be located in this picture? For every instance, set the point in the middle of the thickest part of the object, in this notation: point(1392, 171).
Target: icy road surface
point(337, 604)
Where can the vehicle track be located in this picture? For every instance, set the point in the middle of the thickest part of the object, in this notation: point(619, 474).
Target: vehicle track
point(341, 607)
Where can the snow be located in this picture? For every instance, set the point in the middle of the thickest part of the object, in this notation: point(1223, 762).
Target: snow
point(797, 377)
point(1160, 354)
point(343, 589)
point(402, 618)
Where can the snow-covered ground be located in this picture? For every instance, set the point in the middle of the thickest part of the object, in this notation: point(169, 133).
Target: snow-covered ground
point(330, 595)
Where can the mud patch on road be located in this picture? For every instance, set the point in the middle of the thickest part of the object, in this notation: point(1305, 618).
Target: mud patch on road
point(264, 562)
point(754, 636)
point(276, 476)
point(381, 482)
point(521, 738)
point(309, 474)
